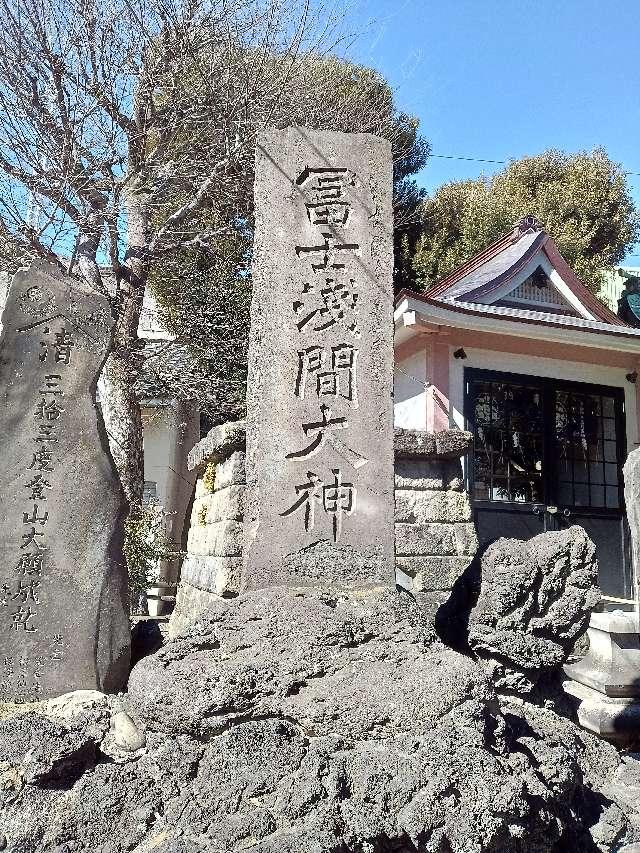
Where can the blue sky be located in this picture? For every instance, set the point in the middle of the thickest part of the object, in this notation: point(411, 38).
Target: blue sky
point(499, 80)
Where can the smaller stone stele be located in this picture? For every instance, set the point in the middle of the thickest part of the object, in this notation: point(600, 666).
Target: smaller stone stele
point(64, 622)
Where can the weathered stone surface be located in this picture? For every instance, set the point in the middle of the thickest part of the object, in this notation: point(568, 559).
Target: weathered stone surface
point(535, 601)
point(213, 565)
point(435, 539)
point(217, 574)
point(328, 634)
point(231, 472)
point(319, 398)
point(446, 444)
point(622, 787)
point(430, 573)
point(421, 507)
point(191, 603)
point(290, 722)
point(226, 504)
point(218, 444)
point(79, 703)
point(44, 752)
point(222, 539)
point(416, 473)
point(64, 618)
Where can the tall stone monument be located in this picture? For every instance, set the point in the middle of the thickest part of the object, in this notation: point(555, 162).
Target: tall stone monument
point(319, 398)
point(63, 588)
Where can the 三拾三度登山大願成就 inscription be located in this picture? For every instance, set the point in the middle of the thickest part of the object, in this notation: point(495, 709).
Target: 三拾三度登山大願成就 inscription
point(319, 465)
point(62, 505)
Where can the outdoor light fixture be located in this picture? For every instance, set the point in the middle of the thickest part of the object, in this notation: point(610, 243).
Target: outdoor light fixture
point(460, 353)
point(630, 377)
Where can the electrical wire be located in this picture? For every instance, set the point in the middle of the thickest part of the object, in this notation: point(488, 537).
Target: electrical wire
point(486, 160)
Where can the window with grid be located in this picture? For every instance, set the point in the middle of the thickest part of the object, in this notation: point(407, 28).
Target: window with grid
point(508, 427)
point(587, 445)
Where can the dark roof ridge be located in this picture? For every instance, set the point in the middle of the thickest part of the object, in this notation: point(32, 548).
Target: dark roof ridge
point(519, 229)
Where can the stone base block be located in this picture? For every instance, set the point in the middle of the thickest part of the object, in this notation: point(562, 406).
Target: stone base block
point(612, 663)
point(218, 445)
point(215, 574)
point(226, 504)
point(231, 471)
point(421, 507)
point(428, 474)
point(190, 603)
point(222, 539)
point(616, 719)
point(439, 540)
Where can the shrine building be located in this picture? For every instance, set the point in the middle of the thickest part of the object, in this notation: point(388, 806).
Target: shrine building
point(514, 348)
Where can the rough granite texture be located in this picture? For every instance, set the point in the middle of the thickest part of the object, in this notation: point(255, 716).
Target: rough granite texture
point(444, 444)
point(535, 600)
point(219, 443)
point(303, 722)
point(63, 582)
point(320, 367)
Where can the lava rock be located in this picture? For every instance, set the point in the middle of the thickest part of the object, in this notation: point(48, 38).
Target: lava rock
point(535, 600)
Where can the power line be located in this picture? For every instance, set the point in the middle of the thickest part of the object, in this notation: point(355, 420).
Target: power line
point(486, 160)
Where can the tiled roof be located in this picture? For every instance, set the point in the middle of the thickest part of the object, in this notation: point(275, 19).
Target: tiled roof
point(501, 262)
point(531, 316)
point(496, 270)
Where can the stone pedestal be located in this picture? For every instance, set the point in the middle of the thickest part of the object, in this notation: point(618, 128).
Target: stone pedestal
point(607, 680)
point(616, 719)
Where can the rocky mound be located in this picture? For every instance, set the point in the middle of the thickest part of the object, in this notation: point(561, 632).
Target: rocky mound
point(295, 721)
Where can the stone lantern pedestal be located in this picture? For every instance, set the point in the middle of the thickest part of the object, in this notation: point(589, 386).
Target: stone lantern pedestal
point(607, 680)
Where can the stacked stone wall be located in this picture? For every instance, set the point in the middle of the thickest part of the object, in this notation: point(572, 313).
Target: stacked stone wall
point(213, 564)
point(435, 537)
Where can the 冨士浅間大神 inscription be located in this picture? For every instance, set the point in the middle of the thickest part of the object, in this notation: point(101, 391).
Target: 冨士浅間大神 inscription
point(63, 615)
point(319, 425)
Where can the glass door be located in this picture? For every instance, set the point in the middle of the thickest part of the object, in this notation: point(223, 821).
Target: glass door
point(589, 449)
point(548, 454)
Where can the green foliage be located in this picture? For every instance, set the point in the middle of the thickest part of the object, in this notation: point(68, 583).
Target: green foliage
point(582, 200)
point(204, 301)
point(204, 293)
point(145, 544)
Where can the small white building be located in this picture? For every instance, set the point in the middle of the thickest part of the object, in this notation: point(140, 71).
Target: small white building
point(171, 428)
point(514, 348)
